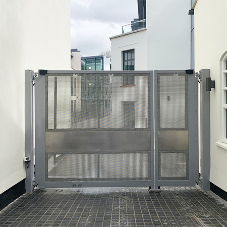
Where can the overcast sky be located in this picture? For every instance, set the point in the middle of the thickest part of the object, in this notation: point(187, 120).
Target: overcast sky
point(94, 21)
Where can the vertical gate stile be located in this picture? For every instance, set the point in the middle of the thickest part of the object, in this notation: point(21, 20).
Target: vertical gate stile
point(29, 145)
point(40, 94)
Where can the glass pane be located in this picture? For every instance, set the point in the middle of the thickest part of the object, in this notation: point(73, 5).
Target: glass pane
point(129, 55)
point(125, 67)
point(226, 97)
point(90, 64)
point(133, 54)
point(99, 64)
point(226, 123)
point(126, 56)
point(82, 64)
point(226, 80)
point(226, 65)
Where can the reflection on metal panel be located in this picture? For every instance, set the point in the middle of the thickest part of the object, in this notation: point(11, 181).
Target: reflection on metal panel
point(93, 141)
point(173, 165)
point(85, 101)
point(173, 140)
point(98, 128)
point(172, 101)
point(173, 127)
point(99, 167)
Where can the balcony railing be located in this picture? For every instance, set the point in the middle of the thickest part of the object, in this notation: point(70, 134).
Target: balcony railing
point(134, 26)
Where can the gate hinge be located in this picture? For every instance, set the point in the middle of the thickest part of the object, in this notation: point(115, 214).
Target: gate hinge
point(33, 78)
point(198, 75)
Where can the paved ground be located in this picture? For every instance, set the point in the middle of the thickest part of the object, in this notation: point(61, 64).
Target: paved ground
point(116, 207)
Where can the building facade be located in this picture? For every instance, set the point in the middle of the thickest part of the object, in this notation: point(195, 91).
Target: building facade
point(211, 53)
point(160, 38)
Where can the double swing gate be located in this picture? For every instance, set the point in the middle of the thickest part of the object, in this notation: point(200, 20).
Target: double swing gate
point(114, 128)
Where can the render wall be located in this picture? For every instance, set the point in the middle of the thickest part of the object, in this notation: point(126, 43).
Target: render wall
point(76, 61)
point(210, 45)
point(134, 40)
point(34, 35)
point(168, 34)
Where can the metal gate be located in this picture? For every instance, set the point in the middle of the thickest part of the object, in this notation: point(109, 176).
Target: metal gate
point(115, 128)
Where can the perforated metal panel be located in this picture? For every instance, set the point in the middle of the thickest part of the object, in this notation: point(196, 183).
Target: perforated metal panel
point(173, 127)
point(97, 127)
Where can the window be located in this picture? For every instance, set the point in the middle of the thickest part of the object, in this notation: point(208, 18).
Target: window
point(94, 63)
point(128, 60)
point(128, 64)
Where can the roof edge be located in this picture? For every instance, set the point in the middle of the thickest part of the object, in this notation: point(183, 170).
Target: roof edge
point(128, 33)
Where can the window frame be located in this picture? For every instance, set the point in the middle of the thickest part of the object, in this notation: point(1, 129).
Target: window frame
point(224, 98)
point(128, 59)
point(128, 80)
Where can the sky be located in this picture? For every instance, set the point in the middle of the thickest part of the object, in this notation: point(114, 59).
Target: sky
point(94, 21)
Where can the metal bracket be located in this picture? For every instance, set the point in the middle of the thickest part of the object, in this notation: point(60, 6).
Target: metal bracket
point(209, 84)
point(191, 12)
point(42, 72)
point(189, 71)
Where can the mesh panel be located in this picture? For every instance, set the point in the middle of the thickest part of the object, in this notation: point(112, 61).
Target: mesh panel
point(92, 104)
point(173, 165)
point(172, 101)
point(72, 166)
point(131, 166)
point(124, 166)
point(86, 101)
point(173, 130)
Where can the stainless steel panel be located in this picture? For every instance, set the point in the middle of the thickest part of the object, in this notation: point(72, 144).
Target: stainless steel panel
point(173, 140)
point(97, 141)
point(173, 166)
point(98, 167)
point(172, 95)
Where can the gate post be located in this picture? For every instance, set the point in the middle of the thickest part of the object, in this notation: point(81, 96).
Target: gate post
point(204, 131)
point(29, 148)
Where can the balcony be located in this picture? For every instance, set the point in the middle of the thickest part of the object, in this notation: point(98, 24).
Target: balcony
point(134, 26)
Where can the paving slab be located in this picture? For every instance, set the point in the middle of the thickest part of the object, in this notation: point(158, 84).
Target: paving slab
point(114, 207)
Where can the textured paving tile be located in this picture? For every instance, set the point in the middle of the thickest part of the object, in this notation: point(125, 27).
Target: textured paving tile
point(116, 207)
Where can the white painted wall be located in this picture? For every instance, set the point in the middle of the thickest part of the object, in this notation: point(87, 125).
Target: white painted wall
point(34, 35)
point(76, 60)
point(210, 45)
point(168, 34)
point(136, 40)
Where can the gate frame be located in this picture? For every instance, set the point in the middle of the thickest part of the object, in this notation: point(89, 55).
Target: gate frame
point(154, 183)
point(192, 131)
point(40, 136)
